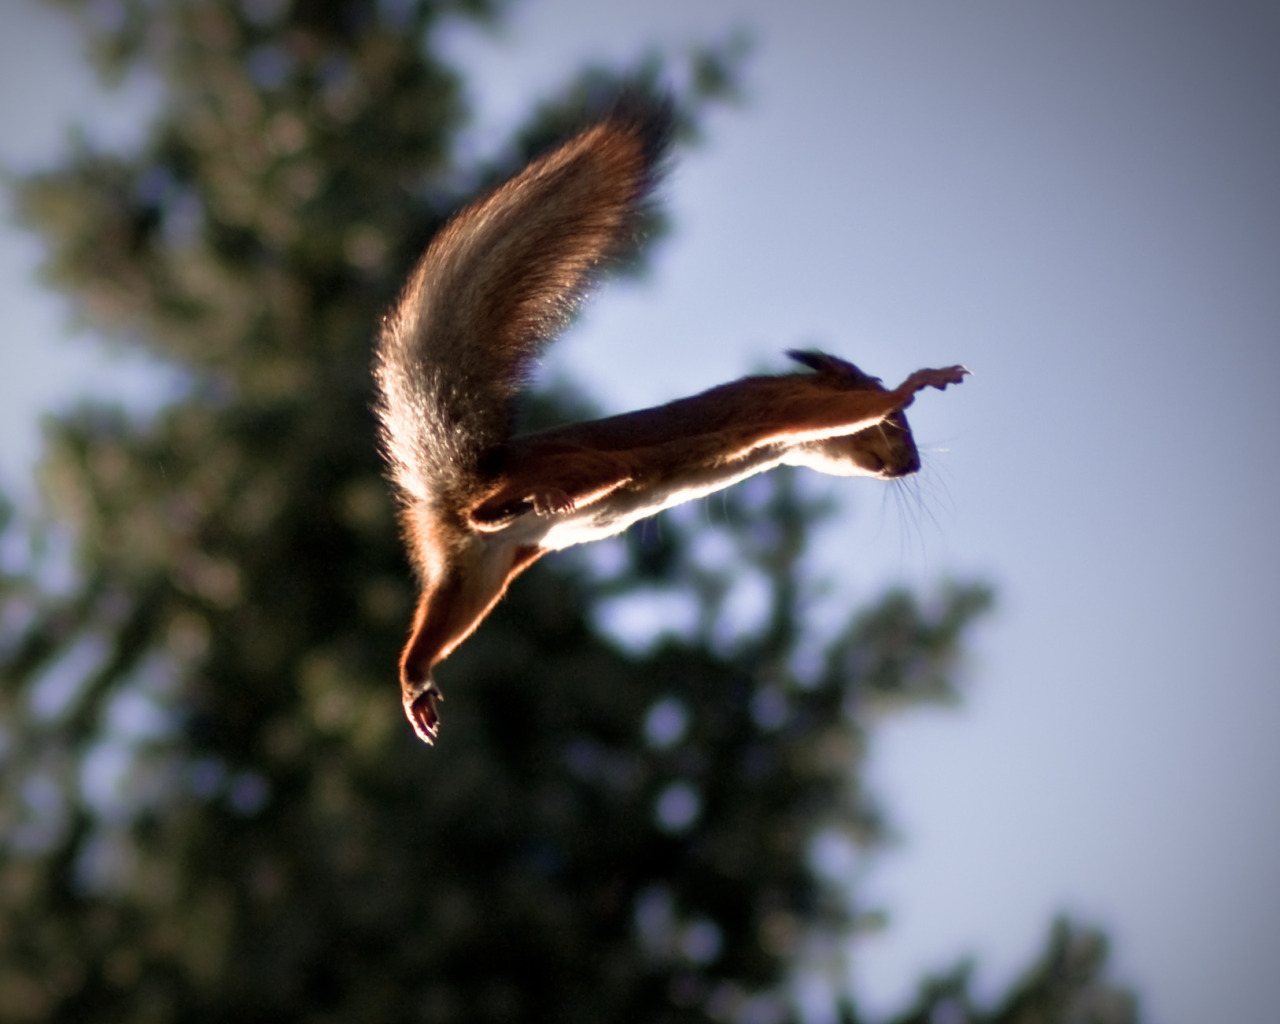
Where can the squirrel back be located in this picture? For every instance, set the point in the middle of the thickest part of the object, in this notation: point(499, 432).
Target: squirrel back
point(495, 286)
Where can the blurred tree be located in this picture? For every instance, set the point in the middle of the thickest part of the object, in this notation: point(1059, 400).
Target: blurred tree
point(212, 808)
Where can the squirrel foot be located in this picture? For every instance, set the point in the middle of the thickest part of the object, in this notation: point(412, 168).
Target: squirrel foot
point(424, 713)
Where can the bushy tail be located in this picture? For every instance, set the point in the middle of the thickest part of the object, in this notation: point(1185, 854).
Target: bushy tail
point(495, 286)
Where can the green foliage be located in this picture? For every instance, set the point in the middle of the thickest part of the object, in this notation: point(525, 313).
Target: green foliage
point(212, 807)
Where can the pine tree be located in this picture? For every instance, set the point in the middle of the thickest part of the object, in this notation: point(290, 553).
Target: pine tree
point(213, 809)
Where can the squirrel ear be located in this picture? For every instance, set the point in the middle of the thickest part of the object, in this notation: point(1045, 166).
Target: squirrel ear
point(833, 366)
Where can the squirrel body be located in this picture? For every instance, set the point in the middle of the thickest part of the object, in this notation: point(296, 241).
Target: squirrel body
point(495, 286)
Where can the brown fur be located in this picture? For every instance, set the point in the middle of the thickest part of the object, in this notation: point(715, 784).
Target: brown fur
point(492, 290)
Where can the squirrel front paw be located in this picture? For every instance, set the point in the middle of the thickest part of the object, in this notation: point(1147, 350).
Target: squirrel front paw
point(551, 501)
point(935, 378)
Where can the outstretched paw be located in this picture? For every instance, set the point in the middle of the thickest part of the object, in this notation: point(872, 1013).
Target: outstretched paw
point(935, 378)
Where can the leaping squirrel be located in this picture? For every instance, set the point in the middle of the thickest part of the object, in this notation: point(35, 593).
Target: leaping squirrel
point(494, 288)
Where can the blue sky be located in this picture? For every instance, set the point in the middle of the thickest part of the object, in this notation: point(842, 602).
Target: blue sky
point(1078, 201)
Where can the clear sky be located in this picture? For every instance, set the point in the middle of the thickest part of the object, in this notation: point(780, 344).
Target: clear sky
point(1080, 201)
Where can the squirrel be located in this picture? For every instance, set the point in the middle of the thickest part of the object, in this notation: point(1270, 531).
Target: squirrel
point(496, 284)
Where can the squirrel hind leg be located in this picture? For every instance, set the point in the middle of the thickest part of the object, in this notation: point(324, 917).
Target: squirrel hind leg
point(422, 708)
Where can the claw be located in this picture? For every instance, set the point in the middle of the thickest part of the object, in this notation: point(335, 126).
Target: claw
point(424, 713)
point(948, 375)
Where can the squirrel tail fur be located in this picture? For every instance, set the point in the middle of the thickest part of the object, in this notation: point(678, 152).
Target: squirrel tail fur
point(495, 286)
